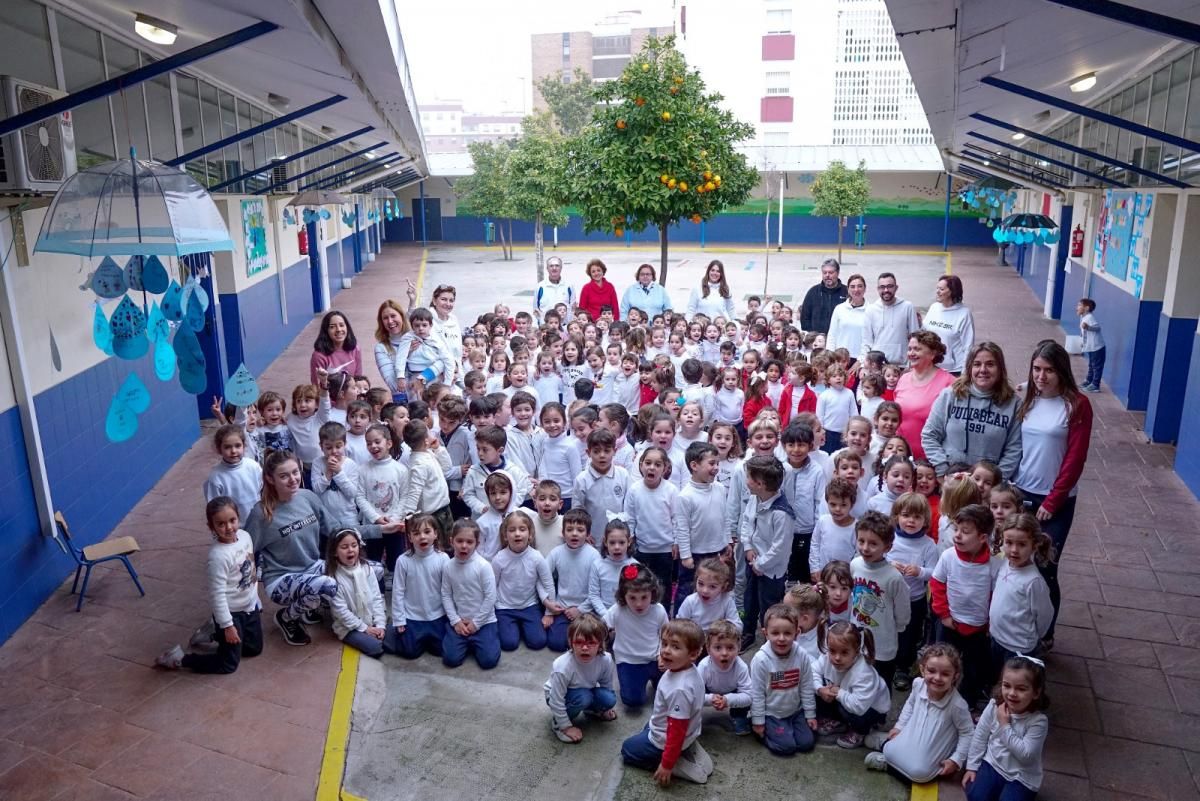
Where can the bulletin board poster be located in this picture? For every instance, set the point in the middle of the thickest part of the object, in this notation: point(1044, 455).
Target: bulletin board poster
point(254, 235)
point(1118, 233)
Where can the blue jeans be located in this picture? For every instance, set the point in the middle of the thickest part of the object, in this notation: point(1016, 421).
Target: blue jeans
point(419, 636)
point(1095, 366)
point(640, 752)
point(556, 635)
point(788, 736)
point(633, 679)
point(364, 642)
point(991, 786)
point(584, 699)
point(859, 723)
point(485, 643)
point(833, 441)
point(762, 592)
point(525, 624)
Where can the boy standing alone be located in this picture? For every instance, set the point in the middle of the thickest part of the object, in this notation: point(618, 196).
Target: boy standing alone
point(1093, 343)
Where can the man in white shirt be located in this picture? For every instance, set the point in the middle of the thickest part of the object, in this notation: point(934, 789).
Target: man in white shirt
point(888, 322)
point(553, 291)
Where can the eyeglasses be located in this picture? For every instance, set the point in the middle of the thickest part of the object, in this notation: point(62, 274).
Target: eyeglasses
point(886, 286)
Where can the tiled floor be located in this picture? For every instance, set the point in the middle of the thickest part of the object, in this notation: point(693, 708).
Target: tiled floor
point(82, 715)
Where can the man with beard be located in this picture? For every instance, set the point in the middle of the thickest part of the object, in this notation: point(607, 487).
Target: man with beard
point(821, 298)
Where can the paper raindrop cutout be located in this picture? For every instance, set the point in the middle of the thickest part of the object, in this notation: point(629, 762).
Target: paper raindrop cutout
point(154, 275)
point(325, 215)
point(172, 303)
point(190, 361)
point(194, 318)
point(121, 423)
point(157, 327)
point(241, 389)
point(133, 394)
point(164, 359)
point(129, 331)
point(108, 281)
point(55, 356)
point(102, 331)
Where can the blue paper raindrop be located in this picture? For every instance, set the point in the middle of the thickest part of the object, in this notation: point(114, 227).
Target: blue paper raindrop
point(194, 318)
point(154, 276)
point(109, 281)
point(172, 302)
point(102, 331)
point(157, 327)
point(134, 395)
point(121, 423)
point(133, 272)
point(129, 331)
point(325, 215)
point(241, 389)
point(190, 359)
point(164, 360)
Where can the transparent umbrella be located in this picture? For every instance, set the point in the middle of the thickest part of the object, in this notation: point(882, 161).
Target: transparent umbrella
point(131, 207)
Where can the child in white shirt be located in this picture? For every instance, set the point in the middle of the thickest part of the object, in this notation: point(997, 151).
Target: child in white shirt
point(555, 453)
point(523, 587)
point(359, 619)
point(833, 537)
point(1020, 612)
point(852, 698)
point(581, 680)
point(419, 622)
point(835, 406)
point(1006, 748)
point(783, 709)
point(605, 573)
point(881, 596)
point(571, 563)
point(469, 600)
point(713, 599)
point(635, 620)
point(727, 685)
point(915, 555)
point(602, 486)
point(236, 476)
point(499, 489)
point(491, 443)
point(652, 511)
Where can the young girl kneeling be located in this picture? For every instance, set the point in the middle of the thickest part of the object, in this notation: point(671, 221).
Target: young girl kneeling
point(635, 620)
point(523, 585)
point(418, 616)
point(581, 680)
point(469, 599)
point(852, 695)
point(359, 619)
point(1005, 758)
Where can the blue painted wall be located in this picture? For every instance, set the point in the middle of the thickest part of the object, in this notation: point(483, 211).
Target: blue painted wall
point(797, 230)
point(94, 482)
point(1130, 331)
point(252, 322)
point(1033, 265)
point(1187, 452)
point(1168, 383)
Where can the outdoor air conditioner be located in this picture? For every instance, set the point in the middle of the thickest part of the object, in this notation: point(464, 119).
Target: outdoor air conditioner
point(38, 157)
point(279, 178)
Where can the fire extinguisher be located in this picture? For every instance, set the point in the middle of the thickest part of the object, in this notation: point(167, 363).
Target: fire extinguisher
point(302, 241)
point(1077, 242)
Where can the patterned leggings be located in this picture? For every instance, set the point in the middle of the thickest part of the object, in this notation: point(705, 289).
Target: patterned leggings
point(303, 592)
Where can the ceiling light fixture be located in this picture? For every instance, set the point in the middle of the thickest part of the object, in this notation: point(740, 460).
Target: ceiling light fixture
point(1043, 163)
point(154, 29)
point(278, 101)
point(986, 163)
point(1018, 136)
point(1083, 82)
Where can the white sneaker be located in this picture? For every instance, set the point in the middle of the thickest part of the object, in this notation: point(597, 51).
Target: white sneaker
point(875, 761)
point(171, 659)
point(203, 637)
point(875, 740)
point(698, 755)
point(688, 769)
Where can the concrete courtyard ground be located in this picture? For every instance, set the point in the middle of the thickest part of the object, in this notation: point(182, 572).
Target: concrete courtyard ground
point(84, 716)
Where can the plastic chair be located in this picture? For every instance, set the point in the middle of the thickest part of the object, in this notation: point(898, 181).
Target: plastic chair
point(92, 555)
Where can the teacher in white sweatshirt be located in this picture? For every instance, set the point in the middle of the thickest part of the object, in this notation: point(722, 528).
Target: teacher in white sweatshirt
point(888, 322)
point(952, 322)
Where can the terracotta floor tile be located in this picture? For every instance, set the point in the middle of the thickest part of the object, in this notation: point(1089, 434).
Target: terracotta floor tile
point(155, 763)
point(40, 777)
point(90, 790)
point(215, 777)
point(11, 753)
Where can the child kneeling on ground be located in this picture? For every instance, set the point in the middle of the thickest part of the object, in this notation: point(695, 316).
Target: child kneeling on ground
point(581, 680)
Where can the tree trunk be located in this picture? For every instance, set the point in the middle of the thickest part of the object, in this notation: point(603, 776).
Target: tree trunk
point(767, 250)
point(662, 238)
point(539, 247)
point(840, 225)
point(500, 236)
point(510, 240)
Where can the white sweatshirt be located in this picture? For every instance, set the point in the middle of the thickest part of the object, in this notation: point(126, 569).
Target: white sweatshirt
point(522, 447)
point(568, 673)
point(427, 491)
point(680, 695)
point(860, 688)
point(920, 551)
point(469, 591)
point(358, 604)
point(881, 603)
point(475, 496)
point(305, 436)
point(727, 405)
point(489, 531)
point(232, 579)
point(653, 517)
point(600, 493)
point(570, 569)
point(831, 542)
point(956, 328)
point(383, 482)
point(701, 514)
point(241, 481)
point(548, 535)
point(635, 640)
point(558, 460)
point(886, 328)
point(417, 587)
point(733, 683)
point(1020, 612)
point(1015, 750)
point(603, 577)
point(522, 579)
point(835, 407)
point(705, 614)
point(780, 686)
point(930, 732)
point(356, 448)
point(968, 586)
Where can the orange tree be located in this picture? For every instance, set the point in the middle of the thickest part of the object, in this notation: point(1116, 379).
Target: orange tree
point(659, 149)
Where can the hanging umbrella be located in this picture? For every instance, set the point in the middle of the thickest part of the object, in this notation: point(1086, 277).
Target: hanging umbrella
point(1028, 221)
point(318, 197)
point(131, 207)
point(382, 193)
point(1027, 229)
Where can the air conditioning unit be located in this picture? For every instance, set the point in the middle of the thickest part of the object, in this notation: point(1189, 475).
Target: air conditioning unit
point(38, 157)
point(279, 177)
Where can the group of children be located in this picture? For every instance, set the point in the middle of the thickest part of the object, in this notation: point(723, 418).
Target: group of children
point(646, 497)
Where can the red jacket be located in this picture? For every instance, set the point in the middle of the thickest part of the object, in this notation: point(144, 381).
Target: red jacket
point(592, 297)
point(939, 601)
point(808, 403)
point(751, 407)
point(646, 394)
point(1079, 434)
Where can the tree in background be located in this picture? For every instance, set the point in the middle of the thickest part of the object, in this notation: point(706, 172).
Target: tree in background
point(485, 192)
point(570, 103)
point(658, 149)
point(535, 181)
point(840, 192)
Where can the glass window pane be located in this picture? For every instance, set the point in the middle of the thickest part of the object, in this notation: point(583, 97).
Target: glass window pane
point(191, 131)
point(83, 66)
point(129, 108)
point(211, 124)
point(162, 118)
point(26, 37)
point(1177, 94)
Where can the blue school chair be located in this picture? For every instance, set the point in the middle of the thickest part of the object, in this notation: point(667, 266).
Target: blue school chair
point(92, 555)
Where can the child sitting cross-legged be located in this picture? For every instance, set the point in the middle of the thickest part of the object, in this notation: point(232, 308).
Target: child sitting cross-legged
point(581, 680)
point(726, 677)
point(359, 619)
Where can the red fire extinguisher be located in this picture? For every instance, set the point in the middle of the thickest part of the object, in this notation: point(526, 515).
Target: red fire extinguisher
point(302, 241)
point(1077, 242)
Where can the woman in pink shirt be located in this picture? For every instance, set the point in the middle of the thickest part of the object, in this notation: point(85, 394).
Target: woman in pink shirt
point(336, 348)
point(918, 388)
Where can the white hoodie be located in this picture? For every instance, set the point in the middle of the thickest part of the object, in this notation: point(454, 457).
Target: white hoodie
point(955, 326)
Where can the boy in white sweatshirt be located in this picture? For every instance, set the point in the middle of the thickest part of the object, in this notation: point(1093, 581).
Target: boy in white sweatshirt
point(767, 527)
point(783, 708)
point(701, 511)
point(571, 563)
point(602, 486)
point(581, 680)
point(491, 442)
point(726, 678)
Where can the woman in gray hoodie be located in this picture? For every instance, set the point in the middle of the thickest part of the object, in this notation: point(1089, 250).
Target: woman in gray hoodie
point(976, 417)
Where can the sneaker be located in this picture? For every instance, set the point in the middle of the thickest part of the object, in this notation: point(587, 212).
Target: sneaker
point(875, 761)
point(688, 769)
point(902, 682)
point(748, 641)
point(741, 726)
point(311, 617)
point(293, 632)
point(850, 739)
point(1047, 645)
point(204, 636)
point(1091, 388)
point(830, 726)
point(170, 659)
point(561, 735)
point(700, 757)
point(875, 740)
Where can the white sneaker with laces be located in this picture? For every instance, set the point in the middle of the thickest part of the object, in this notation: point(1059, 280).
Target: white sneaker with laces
point(171, 659)
point(876, 739)
point(687, 768)
point(875, 761)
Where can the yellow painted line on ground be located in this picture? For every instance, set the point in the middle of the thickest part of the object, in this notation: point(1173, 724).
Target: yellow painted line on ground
point(924, 792)
point(421, 273)
point(333, 763)
point(949, 261)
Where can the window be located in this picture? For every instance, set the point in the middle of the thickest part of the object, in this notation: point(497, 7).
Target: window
point(161, 116)
point(566, 48)
point(84, 66)
point(610, 46)
point(210, 112)
point(129, 105)
point(26, 37)
point(608, 67)
point(779, 20)
point(779, 83)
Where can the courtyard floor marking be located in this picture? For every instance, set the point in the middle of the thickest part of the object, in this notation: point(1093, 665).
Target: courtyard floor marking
point(337, 736)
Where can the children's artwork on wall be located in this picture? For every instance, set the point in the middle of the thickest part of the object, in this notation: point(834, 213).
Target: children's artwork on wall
point(254, 235)
point(241, 389)
point(1119, 229)
point(164, 359)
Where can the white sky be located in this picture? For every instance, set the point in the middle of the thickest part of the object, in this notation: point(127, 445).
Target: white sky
point(478, 51)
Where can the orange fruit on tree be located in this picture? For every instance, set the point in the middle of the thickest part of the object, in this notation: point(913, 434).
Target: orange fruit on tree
point(639, 101)
point(620, 125)
point(717, 180)
point(710, 186)
point(664, 178)
point(619, 231)
point(645, 67)
point(678, 79)
point(674, 90)
point(703, 154)
point(696, 218)
point(683, 186)
point(666, 115)
point(671, 184)
point(708, 175)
